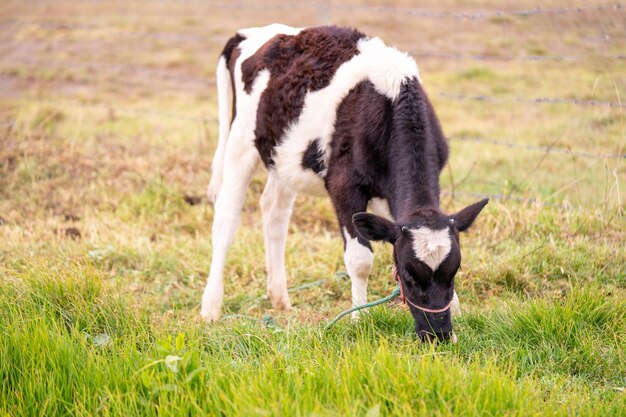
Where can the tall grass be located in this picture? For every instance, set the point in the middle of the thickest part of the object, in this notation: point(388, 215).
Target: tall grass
point(106, 134)
point(70, 346)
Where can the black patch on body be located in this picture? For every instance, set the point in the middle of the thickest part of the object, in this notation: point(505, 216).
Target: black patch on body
point(298, 65)
point(390, 149)
point(393, 150)
point(313, 157)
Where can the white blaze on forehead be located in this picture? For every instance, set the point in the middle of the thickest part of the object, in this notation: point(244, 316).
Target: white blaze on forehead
point(431, 246)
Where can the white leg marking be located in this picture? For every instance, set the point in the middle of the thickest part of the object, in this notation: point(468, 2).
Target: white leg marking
point(358, 260)
point(240, 164)
point(276, 204)
point(240, 160)
point(455, 306)
point(431, 246)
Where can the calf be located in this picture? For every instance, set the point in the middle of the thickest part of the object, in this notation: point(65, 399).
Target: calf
point(332, 112)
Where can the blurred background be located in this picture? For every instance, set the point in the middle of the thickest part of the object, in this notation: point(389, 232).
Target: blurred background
point(99, 98)
point(107, 131)
point(108, 126)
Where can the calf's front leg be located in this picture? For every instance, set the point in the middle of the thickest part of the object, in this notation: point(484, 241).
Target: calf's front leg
point(358, 255)
point(359, 259)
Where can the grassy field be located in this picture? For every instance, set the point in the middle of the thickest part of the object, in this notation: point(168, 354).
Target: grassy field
point(107, 128)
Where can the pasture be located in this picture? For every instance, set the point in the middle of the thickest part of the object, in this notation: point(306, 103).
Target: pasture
point(107, 130)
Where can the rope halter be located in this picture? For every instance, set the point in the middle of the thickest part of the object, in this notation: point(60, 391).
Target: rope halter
point(405, 299)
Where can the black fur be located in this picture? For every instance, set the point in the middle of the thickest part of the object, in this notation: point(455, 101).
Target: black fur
point(464, 218)
point(231, 44)
point(373, 227)
point(230, 53)
point(313, 158)
point(393, 150)
point(298, 65)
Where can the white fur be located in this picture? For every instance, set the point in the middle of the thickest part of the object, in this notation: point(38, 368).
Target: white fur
point(276, 205)
point(385, 67)
point(380, 207)
point(224, 94)
point(257, 36)
point(431, 246)
point(455, 306)
point(240, 159)
point(358, 260)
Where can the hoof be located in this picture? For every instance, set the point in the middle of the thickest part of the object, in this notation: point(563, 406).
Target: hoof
point(211, 306)
point(210, 315)
point(281, 302)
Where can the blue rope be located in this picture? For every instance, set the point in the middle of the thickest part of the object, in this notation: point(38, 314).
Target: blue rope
point(394, 294)
point(268, 320)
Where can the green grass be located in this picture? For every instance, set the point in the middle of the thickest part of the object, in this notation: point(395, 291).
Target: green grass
point(103, 261)
point(72, 346)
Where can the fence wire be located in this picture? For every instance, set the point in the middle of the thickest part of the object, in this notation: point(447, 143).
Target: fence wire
point(410, 11)
point(544, 149)
point(533, 100)
point(163, 74)
point(505, 197)
point(404, 11)
point(535, 58)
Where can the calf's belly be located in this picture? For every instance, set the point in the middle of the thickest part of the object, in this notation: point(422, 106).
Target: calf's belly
point(301, 181)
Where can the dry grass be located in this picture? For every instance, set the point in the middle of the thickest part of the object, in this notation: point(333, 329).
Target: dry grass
point(107, 128)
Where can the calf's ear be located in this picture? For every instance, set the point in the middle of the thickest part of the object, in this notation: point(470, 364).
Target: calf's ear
point(464, 218)
point(373, 227)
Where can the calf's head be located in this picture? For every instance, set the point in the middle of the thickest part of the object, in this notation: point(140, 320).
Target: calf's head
point(427, 255)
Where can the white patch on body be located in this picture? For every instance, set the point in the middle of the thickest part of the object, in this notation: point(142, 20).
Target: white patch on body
point(247, 104)
point(387, 68)
point(255, 38)
point(380, 207)
point(431, 246)
point(358, 260)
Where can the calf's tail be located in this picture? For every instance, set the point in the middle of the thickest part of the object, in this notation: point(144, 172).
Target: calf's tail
point(224, 97)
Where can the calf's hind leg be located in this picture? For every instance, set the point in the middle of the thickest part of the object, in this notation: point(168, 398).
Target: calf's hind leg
point(276, 204)
point(241, 159)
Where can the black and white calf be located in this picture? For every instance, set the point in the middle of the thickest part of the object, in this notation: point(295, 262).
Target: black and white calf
point(331, 111)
